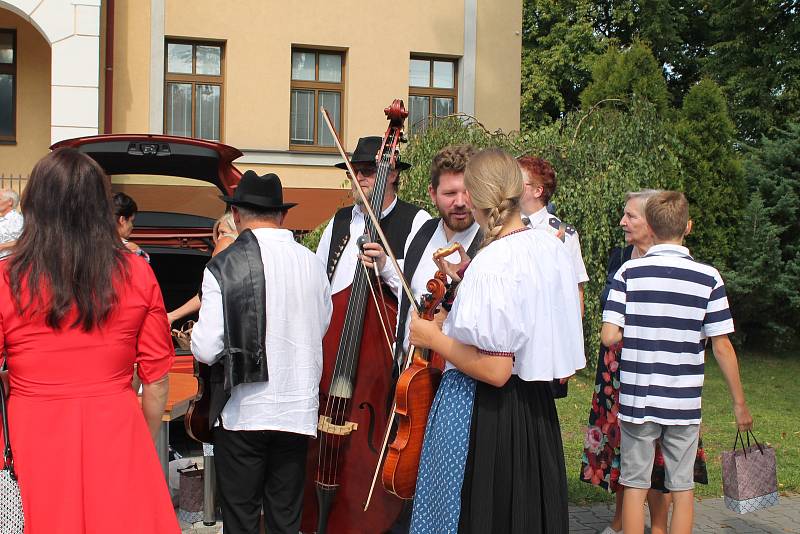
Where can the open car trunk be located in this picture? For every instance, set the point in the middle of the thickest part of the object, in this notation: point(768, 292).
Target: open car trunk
point(179, 244)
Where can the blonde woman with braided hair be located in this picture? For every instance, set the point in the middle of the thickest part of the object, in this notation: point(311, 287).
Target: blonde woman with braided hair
point(492, 461)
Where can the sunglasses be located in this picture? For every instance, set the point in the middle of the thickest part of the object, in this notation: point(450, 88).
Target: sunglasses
point(365, 170)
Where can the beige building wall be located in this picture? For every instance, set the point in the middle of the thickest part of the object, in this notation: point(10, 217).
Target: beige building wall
point(498, 64)
point(33, 98)
point(259, 36)
point(378, 40)
point(131, 101)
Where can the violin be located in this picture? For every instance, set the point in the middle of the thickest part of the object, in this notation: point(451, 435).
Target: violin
point(414, 395)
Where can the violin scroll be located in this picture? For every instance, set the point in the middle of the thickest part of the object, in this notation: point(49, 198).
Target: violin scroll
point(437, 287)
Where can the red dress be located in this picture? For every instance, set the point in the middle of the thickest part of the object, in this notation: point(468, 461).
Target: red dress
point(84, 457)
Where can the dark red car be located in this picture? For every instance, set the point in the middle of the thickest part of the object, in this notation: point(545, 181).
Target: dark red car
point(177, 208)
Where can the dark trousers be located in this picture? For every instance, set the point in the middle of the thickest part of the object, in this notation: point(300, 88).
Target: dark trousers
point(255, 468)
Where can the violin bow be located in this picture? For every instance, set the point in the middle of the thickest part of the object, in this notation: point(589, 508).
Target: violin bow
point(387, 247)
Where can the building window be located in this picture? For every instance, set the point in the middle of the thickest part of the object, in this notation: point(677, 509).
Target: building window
point(317, 80)
point(8, 86)
point(193, 85)
point(432, 91)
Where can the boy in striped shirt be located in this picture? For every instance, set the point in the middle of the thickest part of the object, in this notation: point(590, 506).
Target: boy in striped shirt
point(668, 305)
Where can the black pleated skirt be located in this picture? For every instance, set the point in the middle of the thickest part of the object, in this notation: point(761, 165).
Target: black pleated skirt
point(514, 481)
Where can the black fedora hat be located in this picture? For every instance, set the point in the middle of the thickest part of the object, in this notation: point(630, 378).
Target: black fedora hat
point(260, 192)
point(366, 150)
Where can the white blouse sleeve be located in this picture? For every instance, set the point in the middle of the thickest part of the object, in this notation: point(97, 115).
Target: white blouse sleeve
point(486, 314)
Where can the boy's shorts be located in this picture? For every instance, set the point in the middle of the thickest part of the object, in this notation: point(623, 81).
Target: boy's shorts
point(637, 452)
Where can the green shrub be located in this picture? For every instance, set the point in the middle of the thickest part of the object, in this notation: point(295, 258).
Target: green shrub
point(598, 156)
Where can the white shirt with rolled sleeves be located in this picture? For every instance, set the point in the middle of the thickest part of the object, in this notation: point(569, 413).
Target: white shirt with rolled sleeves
point(544, 220)
point(298, 313)
point(349, 260)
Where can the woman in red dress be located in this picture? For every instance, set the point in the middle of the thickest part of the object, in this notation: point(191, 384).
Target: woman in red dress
point(77, 310)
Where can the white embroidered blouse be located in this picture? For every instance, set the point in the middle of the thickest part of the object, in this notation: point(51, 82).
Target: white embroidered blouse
point(519, 298)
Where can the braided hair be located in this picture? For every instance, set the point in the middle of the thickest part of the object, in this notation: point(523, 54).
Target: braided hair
point(494, 182)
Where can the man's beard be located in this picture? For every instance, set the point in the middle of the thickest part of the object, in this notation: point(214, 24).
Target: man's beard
point(457, 225)
point(367, 193)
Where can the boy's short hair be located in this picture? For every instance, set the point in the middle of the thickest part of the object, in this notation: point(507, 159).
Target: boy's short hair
point(667, 213)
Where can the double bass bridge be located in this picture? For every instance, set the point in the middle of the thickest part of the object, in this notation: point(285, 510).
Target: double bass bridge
point(327, 425)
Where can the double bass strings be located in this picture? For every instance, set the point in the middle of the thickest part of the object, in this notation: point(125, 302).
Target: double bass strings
point(341, 385)
point(362, 280)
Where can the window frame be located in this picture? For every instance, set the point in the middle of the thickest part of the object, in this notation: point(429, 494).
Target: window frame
point(12, 70)
point(195, 80)
point(317, 86)
point(434, 92)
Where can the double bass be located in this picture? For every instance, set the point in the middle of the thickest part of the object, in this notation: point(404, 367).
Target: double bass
point(355, 390)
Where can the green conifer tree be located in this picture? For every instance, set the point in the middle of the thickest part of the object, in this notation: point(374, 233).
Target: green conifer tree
point(623, 74)
point(713, 179)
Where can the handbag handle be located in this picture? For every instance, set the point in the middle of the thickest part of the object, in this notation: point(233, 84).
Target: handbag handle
point(8, 458)
point(750, 433)
point(740, 438)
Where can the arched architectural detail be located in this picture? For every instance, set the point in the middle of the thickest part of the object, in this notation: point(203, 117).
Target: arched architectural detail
point(72, 27)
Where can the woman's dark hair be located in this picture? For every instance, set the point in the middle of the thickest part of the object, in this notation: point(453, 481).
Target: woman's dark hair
point(69, 252)
point(124, 206)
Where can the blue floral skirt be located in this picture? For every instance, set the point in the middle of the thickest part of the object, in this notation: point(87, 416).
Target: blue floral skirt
point(437, 500)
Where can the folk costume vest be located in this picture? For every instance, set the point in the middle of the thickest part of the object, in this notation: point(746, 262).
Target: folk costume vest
point(239, 272)
point(396, 225)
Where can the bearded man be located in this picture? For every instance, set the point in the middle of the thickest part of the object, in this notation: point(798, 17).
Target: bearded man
point(455, 224)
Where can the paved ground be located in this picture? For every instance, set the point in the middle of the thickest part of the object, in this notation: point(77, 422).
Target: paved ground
point(711, 516)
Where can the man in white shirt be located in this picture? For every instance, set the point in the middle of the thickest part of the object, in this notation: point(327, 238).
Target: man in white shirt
point(455, 224)
point(11, 221)
point(338, 248)
point(266, 306)
point(539, 186)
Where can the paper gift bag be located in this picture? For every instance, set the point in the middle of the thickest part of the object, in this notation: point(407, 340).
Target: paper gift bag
point(749, 478)
point(190, 509)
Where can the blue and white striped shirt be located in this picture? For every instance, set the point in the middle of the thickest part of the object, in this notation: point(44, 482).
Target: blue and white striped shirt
point(667, 304)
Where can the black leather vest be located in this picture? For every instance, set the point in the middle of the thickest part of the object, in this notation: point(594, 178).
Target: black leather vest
point(396, 225)
point(240, 273)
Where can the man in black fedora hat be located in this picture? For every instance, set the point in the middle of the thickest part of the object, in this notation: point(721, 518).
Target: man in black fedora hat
point(266, 359)
point(399, 219)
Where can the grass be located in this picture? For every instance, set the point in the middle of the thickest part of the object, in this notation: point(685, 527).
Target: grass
point(773, 396)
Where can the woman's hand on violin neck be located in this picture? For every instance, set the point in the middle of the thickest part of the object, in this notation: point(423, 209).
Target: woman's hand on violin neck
point(372, 254)
point(424, 334)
